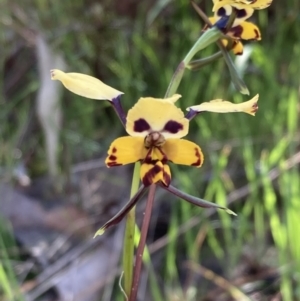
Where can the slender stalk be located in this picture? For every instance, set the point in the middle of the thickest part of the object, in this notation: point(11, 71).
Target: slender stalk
point(197, 64)
point(208, 37)
point(142, 242)
point(128, 252)
point(237, 81)
point(176, 79)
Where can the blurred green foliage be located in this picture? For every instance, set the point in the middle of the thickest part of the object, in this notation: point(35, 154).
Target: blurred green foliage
point(135, 47)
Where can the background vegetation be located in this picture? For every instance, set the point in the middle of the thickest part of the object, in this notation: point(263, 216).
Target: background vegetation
point(250, 162)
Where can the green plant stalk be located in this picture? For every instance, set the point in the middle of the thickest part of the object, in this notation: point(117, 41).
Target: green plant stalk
point(198, 64)
point(208, 37)
point(236, 79)
point(128, 251)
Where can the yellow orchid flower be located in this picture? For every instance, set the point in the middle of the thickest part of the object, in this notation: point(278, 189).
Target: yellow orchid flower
point(156, 127)
point(223, 106)
point(244, 31)
point(85, 85)
point(242, 4)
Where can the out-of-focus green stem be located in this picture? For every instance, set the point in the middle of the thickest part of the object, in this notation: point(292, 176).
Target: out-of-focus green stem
point(237, 81)
point(176, 79)
point(128, 251)
point(208, 37)
point(198, 64)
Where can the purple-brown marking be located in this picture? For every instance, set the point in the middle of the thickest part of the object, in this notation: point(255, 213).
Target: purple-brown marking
point(141, 125)
point(148, 159)
point(237, 31)
point(167, 179)
point(257, 35)
point(150, 174)
point(254, 108)
point(221, 12)
point(198, 155)
point(241, 13)
point(173, 127)
point(111, 164)
point(112, 158)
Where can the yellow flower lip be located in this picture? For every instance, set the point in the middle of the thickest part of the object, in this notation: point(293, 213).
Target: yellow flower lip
point(85, 85)
point(223, 106)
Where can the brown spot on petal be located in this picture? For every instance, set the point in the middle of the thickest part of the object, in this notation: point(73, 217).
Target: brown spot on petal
point(237, 31)
point(111, 164)
point(199, 158)
point(112, 158)
point(114, 150)
point(254, 108)
point(149, 160)
point(167, 179)
point(257, 35)
point(173, 127)
point(241, 13)
point(221, 12)
point(141, 125)
point(150, 175)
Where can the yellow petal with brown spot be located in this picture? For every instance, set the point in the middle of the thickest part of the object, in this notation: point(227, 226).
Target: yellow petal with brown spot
point(245, 31)
point(152, 173)
point(154, 114)
point(85, 85)
point(238, 48)
point(181, 151)
point(125, 150)
point(241, 14)
point(223, 106)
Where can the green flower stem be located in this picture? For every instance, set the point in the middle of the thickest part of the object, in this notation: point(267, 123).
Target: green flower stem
point(208, 37)
point(176, 79)
point(237, 81)
point(142, 242)
point(197, 64)
point(128, 251)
